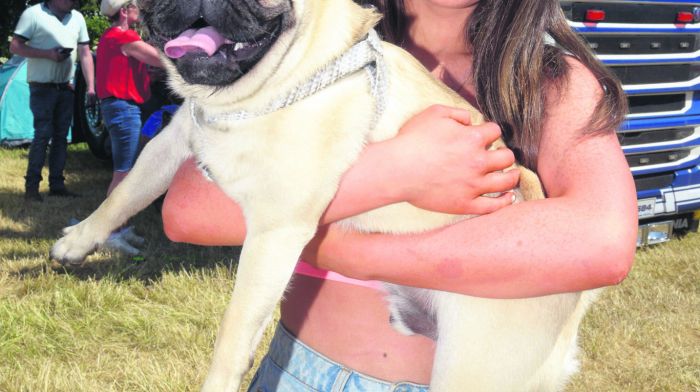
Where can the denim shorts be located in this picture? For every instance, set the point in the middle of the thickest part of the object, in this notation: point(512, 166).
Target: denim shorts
point(123, 121)
point(292, 366)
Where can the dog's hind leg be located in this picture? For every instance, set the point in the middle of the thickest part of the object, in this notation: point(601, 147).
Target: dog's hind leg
point(507, 361)
point(265, 268)
point(150, 178)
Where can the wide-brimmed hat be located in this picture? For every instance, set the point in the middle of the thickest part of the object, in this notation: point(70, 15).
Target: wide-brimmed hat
point(111, 7)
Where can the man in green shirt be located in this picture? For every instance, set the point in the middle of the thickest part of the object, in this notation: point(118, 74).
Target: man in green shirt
point(52, 35)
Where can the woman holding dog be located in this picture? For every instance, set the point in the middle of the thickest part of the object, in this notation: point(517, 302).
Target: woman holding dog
point(557, 109)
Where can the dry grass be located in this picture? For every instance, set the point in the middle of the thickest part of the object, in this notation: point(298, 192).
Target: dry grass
point(148, 325)
point(644, 335)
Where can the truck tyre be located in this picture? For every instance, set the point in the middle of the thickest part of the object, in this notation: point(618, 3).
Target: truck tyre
point(89, 120)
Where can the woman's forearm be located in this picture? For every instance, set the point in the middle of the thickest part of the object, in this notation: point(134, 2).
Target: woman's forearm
point(364, 187)
point(582, 237)
point(530, 249)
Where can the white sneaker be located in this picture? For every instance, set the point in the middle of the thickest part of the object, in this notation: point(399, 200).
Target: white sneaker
point(131, 237)
point(117, 241)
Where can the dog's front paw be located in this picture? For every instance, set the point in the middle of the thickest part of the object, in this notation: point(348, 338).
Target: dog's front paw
point(77, 242)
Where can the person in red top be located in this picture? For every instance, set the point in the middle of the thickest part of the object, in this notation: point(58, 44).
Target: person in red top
point(122, 84)
point(122, 76)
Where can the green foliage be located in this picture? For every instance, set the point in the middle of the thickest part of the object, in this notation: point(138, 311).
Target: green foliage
point(95, 22)
point(8, 19)
point(96, 25)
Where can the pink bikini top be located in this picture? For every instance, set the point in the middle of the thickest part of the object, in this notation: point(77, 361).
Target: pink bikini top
point(303, 268)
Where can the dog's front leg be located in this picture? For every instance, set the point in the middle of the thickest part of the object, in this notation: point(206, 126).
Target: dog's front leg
point(149, 179)
point(265, 268)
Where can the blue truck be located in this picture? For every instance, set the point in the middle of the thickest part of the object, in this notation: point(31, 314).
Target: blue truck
point(654, 48)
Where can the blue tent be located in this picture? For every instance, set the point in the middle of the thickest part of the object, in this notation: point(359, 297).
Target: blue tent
point(16, 120)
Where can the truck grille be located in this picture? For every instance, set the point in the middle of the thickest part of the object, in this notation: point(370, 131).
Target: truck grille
point(652, 136)
point(658, 103)
point(654, 181)
point(653, 47)
point(655, 74)
point(656, 158)
point(627, 12)
point(626, 44)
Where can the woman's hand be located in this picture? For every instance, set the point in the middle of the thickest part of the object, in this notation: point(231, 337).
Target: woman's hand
point(442, 163)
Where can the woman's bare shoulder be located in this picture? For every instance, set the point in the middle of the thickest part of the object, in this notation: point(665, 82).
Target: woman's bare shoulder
point(571, 101)
point(570, 106)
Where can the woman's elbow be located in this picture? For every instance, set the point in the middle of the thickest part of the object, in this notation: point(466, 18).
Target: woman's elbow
point(615, 256)
point(174, 232)
point(182, 224)
point(618, 270)
point(174, 229)
point(202, 226)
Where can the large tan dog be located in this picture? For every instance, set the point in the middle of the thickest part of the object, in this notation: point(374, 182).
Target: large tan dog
point(266, 117)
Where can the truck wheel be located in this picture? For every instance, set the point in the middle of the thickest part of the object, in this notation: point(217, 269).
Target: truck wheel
point(89, 119)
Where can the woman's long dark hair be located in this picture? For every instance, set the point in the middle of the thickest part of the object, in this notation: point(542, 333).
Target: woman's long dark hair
point(512, 70)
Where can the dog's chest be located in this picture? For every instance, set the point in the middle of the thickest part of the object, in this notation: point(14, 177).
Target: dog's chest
point(318, 137)
point(230, 155)
point(276, 154)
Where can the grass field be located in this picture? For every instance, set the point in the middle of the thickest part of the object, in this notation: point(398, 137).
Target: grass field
point(119, 324)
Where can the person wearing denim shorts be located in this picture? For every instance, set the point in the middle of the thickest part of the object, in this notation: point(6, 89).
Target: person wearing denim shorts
point(51, 35)
point(123, 83)
point(571, 106)
point(123, 120)
point(292, 366)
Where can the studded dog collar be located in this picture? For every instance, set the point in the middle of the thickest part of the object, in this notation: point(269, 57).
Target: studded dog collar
point(365, 55)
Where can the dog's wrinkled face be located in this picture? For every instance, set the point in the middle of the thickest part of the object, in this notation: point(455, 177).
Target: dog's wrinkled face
point(246, 28)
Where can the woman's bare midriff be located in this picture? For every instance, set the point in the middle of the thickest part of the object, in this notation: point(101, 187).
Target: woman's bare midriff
point(350, 325)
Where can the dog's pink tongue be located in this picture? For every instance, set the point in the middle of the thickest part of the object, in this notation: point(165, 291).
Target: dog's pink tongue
point(206, 40)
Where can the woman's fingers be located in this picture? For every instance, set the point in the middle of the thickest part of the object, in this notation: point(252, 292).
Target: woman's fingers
point(451, 163)
point(499, 159)
point(462, 116)
point(485, 205)
point(487, 132)
point(498, 182)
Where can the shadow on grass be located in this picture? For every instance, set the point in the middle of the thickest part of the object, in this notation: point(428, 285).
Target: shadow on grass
point(158, 256)
point(29, 229)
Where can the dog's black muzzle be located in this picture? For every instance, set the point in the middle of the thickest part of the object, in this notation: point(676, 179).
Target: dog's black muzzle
point(252, 28)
